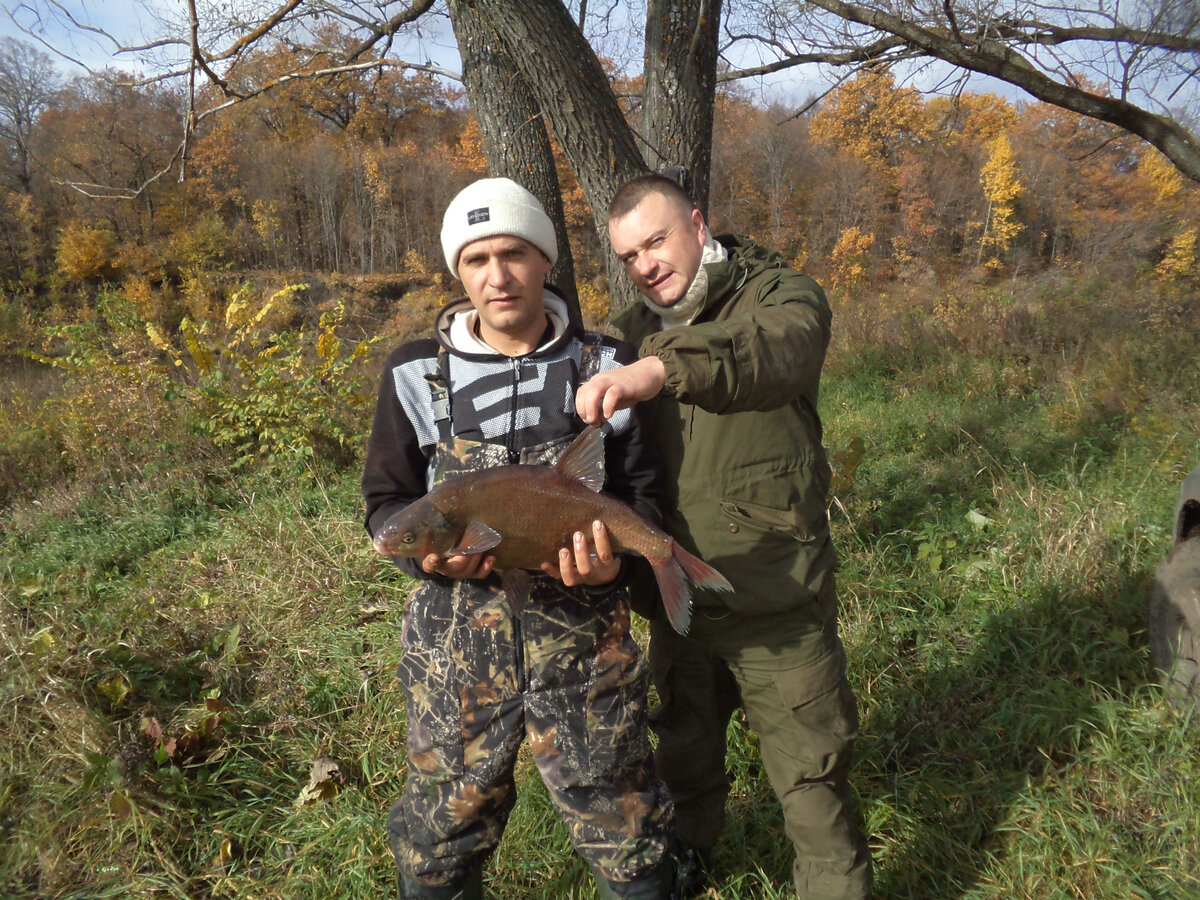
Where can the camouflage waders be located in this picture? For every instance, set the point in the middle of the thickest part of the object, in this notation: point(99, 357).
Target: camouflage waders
point(564, 673)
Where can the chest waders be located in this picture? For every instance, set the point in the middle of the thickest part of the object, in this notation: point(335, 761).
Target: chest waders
point(480, 678)
point(453, 455)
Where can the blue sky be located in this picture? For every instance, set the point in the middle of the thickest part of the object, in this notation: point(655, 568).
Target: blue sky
point(132, 22)
point(125, 19)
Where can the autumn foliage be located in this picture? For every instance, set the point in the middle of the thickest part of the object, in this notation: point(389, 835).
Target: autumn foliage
point(351, 175)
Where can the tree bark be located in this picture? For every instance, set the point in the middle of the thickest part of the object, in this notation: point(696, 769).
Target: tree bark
point(514, 134)
point(565, 78)
point(681, 76)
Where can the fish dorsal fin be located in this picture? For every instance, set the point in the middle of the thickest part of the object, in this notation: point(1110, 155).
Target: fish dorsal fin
point(477, 538)
point(583, 461)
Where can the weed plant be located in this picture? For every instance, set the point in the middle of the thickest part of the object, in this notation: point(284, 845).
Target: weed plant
point(184, 638)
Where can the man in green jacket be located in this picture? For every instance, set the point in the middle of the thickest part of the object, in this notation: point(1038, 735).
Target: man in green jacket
point(731, 342)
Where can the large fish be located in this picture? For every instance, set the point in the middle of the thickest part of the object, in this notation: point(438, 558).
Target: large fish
point(523, 514)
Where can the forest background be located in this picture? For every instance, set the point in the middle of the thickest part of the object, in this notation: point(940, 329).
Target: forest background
point(199, 642)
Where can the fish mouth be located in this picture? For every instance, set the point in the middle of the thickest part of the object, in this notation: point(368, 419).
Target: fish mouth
point(380, 544)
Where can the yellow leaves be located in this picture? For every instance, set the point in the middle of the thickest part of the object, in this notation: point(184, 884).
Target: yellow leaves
point(980, 118)
point(378, 186)
point(114, 689)
point(1179, 261)
point(1000, 188)
point(85, 253)
point(1165, 180)
point(414, 262)
point(201, 355)
point(268, 223)
point(324, 781)
point(468, 156)
point(328, 345)
point(159, 339)
point(594, 302)
point(42, 643)
point(872, 119)
point(850, 259)
point(999, 176)
point(242, 318)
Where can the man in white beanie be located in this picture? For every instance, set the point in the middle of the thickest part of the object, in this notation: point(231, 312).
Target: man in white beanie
point(495, 386)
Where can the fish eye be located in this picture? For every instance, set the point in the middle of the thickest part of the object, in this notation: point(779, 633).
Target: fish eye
point(408, 537)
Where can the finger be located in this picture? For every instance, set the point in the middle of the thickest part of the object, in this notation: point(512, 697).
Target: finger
point(583, 555)
point(585, 402)
point(453, 567)
point(570, 577)
point(429, 564)
point(601, 540)
point(612, 402)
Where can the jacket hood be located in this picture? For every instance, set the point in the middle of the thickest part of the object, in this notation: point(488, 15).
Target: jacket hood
point(455, 328)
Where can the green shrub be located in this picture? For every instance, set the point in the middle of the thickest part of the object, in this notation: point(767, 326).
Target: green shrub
point(292, 394)
point(136, 393)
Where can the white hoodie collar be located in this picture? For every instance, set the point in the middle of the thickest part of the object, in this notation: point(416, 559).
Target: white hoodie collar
point(460, 334)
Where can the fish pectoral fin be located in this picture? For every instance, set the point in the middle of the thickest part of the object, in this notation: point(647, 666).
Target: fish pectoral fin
point(584, 460)
point(477, 538)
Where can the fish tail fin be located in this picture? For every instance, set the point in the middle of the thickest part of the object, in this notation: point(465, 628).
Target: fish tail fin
point(675, 574)
point(676, 596)
point(698, 572)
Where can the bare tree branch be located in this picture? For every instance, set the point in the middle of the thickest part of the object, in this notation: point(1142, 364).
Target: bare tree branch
point(1019, 42)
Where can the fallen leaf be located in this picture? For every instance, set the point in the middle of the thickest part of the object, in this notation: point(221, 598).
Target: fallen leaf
point(326, 778)
point(120, 806)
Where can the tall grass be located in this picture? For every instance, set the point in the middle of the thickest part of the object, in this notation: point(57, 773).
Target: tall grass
point(184, 639)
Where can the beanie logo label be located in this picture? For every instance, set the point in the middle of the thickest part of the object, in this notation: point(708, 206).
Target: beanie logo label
point(475, 216)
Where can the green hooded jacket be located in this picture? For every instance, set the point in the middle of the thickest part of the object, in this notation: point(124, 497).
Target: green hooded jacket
point(747, 479)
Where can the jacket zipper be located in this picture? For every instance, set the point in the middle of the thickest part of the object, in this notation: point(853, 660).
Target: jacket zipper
point(513, 456)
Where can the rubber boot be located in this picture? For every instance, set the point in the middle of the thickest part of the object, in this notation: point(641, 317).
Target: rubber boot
point(691, 869)
point(657, 884)
point(470, 888)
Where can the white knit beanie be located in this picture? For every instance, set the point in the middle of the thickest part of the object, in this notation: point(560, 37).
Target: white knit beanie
point(493, 206)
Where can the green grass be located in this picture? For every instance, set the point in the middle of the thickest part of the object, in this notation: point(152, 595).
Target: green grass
point(997, 545)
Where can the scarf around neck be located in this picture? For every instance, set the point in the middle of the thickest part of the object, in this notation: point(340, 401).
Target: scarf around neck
point(688, 307)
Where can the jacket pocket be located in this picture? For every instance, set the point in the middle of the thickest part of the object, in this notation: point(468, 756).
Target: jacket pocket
point(822, 715)
point(790, 523)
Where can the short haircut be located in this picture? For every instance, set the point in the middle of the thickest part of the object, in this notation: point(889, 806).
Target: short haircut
point(634, 191)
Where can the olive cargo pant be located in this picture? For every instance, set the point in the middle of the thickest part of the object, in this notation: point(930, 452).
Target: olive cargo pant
point(565, 674)
point(788, 670)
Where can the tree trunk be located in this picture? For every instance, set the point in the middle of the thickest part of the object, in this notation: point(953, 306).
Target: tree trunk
point(681, 77)
point(565, 78)
point(514, 135)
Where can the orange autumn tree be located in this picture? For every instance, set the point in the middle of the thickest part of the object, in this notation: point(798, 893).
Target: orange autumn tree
point(869, 123)
point(873, 120)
